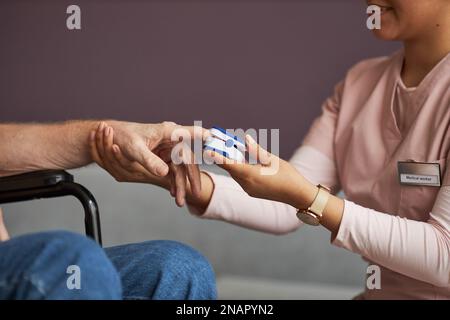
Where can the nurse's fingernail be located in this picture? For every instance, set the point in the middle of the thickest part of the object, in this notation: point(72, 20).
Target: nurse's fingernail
point(250, 139)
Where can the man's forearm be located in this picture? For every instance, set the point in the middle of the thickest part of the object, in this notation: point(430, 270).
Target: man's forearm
point(28, 147)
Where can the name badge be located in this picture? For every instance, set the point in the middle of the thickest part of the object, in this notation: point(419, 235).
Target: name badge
point(419, 173)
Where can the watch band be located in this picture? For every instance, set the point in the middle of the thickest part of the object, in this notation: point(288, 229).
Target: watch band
point(313, 214)
point(320, 201)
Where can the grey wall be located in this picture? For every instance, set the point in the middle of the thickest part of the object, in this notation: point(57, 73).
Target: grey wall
point(261, 64)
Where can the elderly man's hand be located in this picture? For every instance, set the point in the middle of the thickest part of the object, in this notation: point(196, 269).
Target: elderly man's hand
point(137, 141)
point(133, 152)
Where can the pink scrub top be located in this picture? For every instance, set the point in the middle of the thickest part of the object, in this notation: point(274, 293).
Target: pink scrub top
point(371, 124)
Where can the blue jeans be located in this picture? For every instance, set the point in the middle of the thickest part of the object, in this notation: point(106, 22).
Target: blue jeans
point(36, 266)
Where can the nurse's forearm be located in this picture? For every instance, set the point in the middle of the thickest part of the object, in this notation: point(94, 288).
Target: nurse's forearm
point(225, 200)
point(27, 147)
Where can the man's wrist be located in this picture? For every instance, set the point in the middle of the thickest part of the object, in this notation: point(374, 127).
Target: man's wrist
point(63, 145)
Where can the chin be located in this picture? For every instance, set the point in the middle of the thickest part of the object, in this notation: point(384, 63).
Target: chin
point(386, 34)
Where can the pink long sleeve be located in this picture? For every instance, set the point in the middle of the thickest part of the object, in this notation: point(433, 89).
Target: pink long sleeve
point(231, 203)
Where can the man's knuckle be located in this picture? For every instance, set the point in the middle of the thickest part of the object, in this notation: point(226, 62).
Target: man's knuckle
point(169, 123)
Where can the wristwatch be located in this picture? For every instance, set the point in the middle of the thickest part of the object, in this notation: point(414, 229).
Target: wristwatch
point(313, 214)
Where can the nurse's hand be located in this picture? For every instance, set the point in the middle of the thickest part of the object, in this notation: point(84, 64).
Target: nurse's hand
point(270, 178)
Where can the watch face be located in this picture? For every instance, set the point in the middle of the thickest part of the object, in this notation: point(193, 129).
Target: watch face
point(308, 218)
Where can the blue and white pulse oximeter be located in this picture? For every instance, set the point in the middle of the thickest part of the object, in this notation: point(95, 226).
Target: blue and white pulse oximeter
point(226, 144)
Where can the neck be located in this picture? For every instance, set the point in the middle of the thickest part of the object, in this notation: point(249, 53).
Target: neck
point(423, 54)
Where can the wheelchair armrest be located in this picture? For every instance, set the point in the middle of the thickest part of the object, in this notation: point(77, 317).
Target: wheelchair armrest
point(32, 180)
point(51, 184)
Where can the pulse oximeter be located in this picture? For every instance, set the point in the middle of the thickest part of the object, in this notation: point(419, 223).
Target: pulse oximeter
point(226, 144)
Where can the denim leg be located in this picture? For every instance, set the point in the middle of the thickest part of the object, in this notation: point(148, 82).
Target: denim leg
point(35, 266)
point(163, 270)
